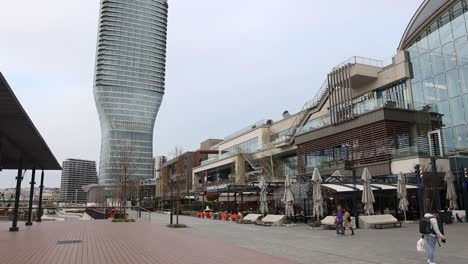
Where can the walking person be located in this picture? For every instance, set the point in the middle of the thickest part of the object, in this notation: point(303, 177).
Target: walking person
point(339, 220)
point(348, 223)
point(432, 234)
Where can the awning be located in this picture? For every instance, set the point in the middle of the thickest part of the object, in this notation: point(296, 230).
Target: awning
point(375, 187)
point(19, 137)
point(337, 187)
point(360, 187)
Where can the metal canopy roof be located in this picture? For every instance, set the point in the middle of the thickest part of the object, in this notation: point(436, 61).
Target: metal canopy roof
point(422, 16)
point(19, 137)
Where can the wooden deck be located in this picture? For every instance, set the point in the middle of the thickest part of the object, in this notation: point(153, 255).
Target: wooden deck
point(100, 241)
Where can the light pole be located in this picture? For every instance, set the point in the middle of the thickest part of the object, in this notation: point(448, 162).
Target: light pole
point(172, 200)
point(465, 192)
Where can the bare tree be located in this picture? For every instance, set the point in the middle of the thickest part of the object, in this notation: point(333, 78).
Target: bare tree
point(271, 164)
point(172, 178)
point(122, 167)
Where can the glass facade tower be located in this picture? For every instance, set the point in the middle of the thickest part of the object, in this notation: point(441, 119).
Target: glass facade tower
point(129, 81)
point(439, 59)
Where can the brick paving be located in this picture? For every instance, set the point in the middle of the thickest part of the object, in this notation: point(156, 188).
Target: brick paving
point(317, 246)
point(105, 242)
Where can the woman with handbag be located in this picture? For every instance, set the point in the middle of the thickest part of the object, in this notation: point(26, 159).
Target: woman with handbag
point(348, 222)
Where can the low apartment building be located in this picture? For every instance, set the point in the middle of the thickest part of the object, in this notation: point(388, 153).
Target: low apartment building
point(179, 169)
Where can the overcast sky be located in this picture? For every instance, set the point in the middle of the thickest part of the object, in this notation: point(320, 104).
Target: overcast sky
point(229, 64)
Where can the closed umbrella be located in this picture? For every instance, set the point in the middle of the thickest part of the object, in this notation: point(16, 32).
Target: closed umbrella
point(451, 192)
point(402, 194)
point(367, 195)
point(263, 196)
point(288, 198)
point(317, 193)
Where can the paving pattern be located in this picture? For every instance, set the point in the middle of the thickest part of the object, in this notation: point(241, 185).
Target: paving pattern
point(317, 246)
point(101, 242)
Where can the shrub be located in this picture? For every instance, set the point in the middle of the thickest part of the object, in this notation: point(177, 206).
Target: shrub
point(121, 220)
point(177, 226)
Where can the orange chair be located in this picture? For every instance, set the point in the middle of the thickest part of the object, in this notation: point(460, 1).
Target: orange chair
point(234, 217)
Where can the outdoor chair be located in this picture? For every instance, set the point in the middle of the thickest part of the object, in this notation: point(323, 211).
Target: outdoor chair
point(328, 221)
point(271, 219)
point(379, 221)
point(249, 219)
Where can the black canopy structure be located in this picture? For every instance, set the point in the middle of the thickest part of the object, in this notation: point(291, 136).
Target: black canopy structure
point(22, 147)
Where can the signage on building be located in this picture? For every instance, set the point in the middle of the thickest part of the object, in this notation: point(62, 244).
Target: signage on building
point(359, 99)
point(352, 143)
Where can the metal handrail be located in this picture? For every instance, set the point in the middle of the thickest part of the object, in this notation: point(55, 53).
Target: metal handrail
point(247, 129)
point(361, 60)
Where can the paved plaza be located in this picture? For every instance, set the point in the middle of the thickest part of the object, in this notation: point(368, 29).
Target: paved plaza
point(101, 242)
point(317, 246)
point(214, 241)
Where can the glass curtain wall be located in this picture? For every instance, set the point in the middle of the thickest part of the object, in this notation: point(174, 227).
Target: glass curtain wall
point(439, 59)
point(129, 84)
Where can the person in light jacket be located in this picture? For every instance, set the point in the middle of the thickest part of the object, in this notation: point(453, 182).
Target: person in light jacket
point(433, 236)
point(347, 223)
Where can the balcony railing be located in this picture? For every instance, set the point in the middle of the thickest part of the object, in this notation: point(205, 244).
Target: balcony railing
point(247, 129)
point(365, 107)
point(361, 60)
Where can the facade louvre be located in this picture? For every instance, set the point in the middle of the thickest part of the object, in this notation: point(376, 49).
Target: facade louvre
point(76, 174)
point(129, 82)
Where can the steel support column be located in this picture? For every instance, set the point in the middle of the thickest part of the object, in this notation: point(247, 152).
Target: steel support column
point(355, 199)
point(31, 196)
point(465, 196)
point(19, 178)
point(41, 188)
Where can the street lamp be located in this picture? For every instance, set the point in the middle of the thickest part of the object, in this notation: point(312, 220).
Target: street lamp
point(419, 175)
point(465, 192)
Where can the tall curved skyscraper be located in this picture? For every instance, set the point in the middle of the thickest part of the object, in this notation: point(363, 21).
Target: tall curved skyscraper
point(129, 82)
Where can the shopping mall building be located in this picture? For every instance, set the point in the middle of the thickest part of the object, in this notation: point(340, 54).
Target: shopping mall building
point(387, 117)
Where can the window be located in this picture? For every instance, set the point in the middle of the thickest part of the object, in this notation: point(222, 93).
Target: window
point(457, 111)
point(444, 108)
point(437, 61)
point(463, 71)
point(430, 94)
point(461, 48)
point(423, 45)
point(290, 166)
point(433, 37)
point(453, 83)
point(458, 27)
point(418, 94)
point(447, 138)
point(450, 59)
point(425, 63)
point(445, 30)
point(460, 137)
point(441, 87)
point(313, 159)
point(416, 69)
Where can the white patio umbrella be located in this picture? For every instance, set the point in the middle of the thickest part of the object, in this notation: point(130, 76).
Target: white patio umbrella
point(263, 196)
point(367, 195)
point(317, 194)
point(288, 198)
point(451, 192)
point(402, 194)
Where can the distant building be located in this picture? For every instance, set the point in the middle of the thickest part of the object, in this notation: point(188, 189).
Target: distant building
point(129, 83)
point(76, 174)
point(180, 168)
point(158, 163)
